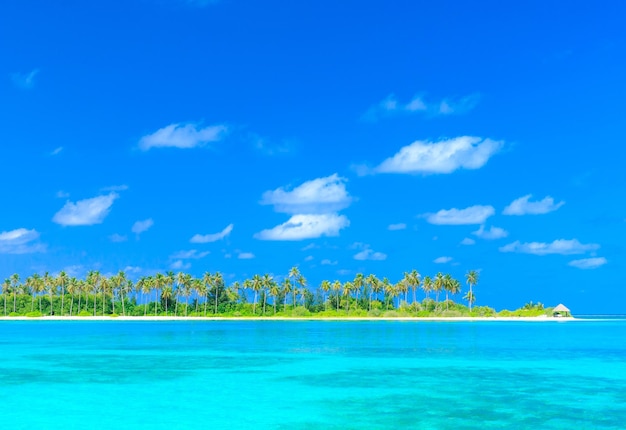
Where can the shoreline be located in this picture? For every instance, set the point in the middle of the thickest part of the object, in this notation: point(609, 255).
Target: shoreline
point(173, 318)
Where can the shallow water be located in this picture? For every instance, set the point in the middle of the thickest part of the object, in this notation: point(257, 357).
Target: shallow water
point(313, 374)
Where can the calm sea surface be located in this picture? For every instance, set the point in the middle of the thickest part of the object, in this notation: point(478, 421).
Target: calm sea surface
point(312, 375)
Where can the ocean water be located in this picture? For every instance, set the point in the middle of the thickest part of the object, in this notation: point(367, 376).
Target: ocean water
point(312, 375)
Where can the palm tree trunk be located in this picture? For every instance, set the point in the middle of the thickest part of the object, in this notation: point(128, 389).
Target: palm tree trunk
point(206, 303)
point(62, 299)
point(176, 305)
point(254, 305)
point(14, 301)
point(71, 304)
point(216, 294)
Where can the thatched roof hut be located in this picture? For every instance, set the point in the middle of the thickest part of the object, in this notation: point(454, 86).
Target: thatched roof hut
point(561, 311)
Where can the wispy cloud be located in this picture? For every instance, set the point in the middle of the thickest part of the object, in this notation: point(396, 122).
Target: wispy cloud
point(268, 147)
point(57, 151)
point(327, 262)
point(117, 238)
point(443, 156)
point(245, 256)
point(308, 226)
point(180, 265)
point(396, 227)
point(560, 246)
point(491, 234)
point(25, 80)
point(523, 206)
point(468, 241)
point(468, 216)
point(85, 212)
point(115, 188)
point(391, 106)
point(588, 263)
point(182, 136)
point(321, 195)
point(142, 226)
point(20, 241)
point(369, 254)
point(442, 260)
point(192, 254)
point(213, 237)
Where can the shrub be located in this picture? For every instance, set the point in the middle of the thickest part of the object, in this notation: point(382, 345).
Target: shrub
point(451, 314)
point(34, 314)
point(390, 314)
point(376, 312)
point(114, 315)
point(14, 314)
point(300, 311)
point(85, 313)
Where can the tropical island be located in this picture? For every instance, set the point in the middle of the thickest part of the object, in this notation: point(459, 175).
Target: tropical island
point(182, 295)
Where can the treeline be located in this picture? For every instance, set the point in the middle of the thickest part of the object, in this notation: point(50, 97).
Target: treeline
point(180, 294)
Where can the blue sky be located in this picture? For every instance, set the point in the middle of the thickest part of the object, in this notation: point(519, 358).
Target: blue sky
point(377, 137)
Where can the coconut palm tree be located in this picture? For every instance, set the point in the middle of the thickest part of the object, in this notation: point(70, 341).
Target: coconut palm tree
point(347, 289)
point(427, 286)
point(218, 282)
point(166, 294)
point(72, 288)
point(274, 291)
point(438, 285)
point(286, 289)
point(6, 287)
point(337, 288)
point(471, 278)
point(93, 284)
point(325, 287)
point(158, 282)
point(359, 282)
point(386, 288)
point(267, 281)
point(256, 285)
point(61, 281)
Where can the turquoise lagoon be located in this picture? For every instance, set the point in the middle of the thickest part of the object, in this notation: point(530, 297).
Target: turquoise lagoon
point(312, 375)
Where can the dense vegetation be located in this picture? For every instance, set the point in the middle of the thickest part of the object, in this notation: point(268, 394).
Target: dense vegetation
point(181, 294)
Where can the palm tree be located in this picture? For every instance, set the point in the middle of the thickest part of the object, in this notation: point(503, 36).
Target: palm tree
point(359, 281)
point(166, 294)
point(182, 279)
point(72, 288)
point(274, 291)
point(415, 284)
point(267, 281)
point(388, 291)
point(6, 287)
point(256, 285)
point(471, 278)
point(93, 283)
point(286, 289)
point(325, 287)
point(469, 296)
point(438, 285)
point(218, 282)
point(427, 286)
point(158, 282)
point(374, 288)
point(61, 281)
point(336, 288)
point(347, 289)
point(50, 287)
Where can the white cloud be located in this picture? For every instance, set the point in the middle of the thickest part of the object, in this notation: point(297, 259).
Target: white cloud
point(444, 156)
point(310, 246)
point(368, 254)
point(57, 151)
point(523, 206)
point(468, 216)
point(117, 238)
point(395, 227)
point(588, 263)
point(321, 195)
point(307, 226)
point(62, 194)
point(442, 260)
point(213, 237)
point(390, 106)
point(560, 246)
point(115, 188)
point(142, 226)
point(132, 269)
point(180, 265)
point(327, 262)
point(245, 255)
point(491, 234)
point(190, 254)
point(25, 80)
point(468, 241)
point(85, 212)
point(309, 258)
point(182, 136)
point(20, 241)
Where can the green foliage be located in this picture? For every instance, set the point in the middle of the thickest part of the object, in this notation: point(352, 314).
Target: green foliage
point(85, 313)
point(14, 314)
point(33, 314)
point(300, 312)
